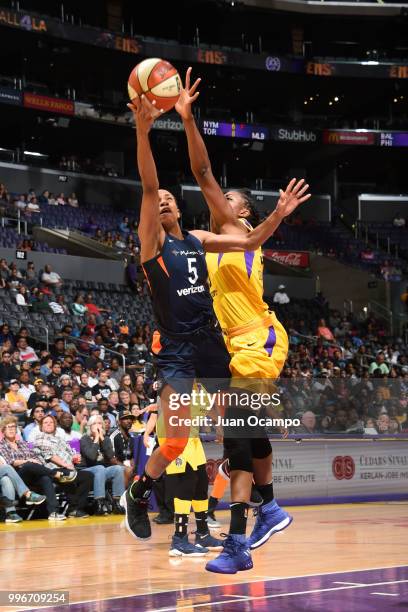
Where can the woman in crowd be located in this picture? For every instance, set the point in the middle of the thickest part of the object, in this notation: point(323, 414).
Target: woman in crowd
point(99, 459)
point(57, 454)
point(17, 453)
point(78, 307)
point(11, 485)
point(127, 385)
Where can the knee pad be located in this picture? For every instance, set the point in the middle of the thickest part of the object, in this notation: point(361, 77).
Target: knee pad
point(172, 448)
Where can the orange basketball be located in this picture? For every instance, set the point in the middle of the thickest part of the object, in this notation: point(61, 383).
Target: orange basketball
point(158, 80)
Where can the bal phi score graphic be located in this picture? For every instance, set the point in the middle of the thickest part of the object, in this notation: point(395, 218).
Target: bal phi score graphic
point(343, 467)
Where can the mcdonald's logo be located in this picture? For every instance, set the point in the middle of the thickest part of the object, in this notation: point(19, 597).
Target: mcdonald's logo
point(333, 138)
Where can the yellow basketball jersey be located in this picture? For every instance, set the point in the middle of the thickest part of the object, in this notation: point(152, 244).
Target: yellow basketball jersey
point(236, 285)
point(193, 453)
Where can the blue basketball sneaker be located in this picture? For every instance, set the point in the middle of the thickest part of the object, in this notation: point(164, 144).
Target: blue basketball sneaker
point(206, 540)
point(270, 519)
point(181, 547)
point(236, 556)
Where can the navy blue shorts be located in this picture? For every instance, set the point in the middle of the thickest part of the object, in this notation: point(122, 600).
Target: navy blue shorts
point(202, 356)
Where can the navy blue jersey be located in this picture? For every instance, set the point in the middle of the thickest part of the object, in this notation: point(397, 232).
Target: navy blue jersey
point(178, 283)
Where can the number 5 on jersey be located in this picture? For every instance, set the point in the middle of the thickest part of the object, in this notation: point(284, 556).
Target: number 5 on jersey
point(192, 268)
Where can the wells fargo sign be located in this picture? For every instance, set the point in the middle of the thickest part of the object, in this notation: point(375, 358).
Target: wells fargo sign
point(51, 105)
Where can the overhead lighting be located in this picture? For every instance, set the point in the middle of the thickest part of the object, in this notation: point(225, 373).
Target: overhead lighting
point(330, 103)
point(395, 99)
point(370, 63)
point(311, 98)
point(34, 154)
point(336, 99)
point(305, 102)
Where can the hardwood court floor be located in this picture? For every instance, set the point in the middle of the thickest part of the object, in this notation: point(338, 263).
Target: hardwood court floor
point(96, 559)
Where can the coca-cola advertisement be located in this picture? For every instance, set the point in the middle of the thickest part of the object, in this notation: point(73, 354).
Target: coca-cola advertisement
point(297, 259)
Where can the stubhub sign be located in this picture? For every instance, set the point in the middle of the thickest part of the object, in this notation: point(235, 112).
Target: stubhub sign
point(294, 135)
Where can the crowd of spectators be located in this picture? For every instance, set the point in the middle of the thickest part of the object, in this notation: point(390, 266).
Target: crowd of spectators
point(30, 204)
point(70, 417)
point(344, 375)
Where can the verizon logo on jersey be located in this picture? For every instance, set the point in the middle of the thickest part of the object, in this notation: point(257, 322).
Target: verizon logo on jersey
point(190, 290)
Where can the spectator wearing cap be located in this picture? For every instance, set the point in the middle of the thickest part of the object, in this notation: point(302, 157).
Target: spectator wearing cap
point(33, 427)
point(17, 402)
point(64, 382)
point(26, 352)
point(51, 279)
point(57, 454)
point(8, 370)
point(99, 458)
point(123, 443)
point(281, 297)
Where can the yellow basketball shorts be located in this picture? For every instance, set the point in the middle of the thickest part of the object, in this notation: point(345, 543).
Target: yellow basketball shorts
point(258, 349)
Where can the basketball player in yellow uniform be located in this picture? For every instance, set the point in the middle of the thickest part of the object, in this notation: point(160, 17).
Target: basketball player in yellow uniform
point(256, 340)
point(187, 484)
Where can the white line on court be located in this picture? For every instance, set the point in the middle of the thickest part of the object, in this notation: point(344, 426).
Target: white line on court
point(190, 606)
point(387, 594)
point(260, 579)
point(350, 583)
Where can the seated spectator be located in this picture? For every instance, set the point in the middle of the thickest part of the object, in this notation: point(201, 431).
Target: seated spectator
point(66, 399)
point(281, 297)
point(58, 305)
point(17, 453)
point(56, 454)
point(12, 486)
point(30, 279)
point(8, 370)
point(123, 443)
point(51, 200)
point(73, 200)
point(14, 280)
point(21, 295)
point(21, 202)
point(369, 427)
point(31, 430)
point(65, 421)
point(379, 365)
point(50, 278)
point(98, 458)
point(26, 388)
point(324, 332)
point(398, 220)
point(80, 420)
point(95, 310)
point(17, 402)
point(5, 409)
point(26, 352)
point(25, 245)
point(78, 307)
point(383, 424)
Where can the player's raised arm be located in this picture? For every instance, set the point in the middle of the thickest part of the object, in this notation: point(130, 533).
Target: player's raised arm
point(150, 229)
point(289, 200)
point(220, 208)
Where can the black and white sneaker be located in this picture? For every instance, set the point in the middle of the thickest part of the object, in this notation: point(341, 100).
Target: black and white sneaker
point(136, 520)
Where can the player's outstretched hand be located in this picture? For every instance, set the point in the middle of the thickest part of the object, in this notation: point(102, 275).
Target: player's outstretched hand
point(189, 94)
point(294, 195)
point(144, 113)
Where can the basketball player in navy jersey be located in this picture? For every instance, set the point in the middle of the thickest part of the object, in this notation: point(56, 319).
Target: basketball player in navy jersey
point(190, 345)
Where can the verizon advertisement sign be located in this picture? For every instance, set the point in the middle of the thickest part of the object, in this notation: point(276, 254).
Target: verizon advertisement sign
point(297, 259)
